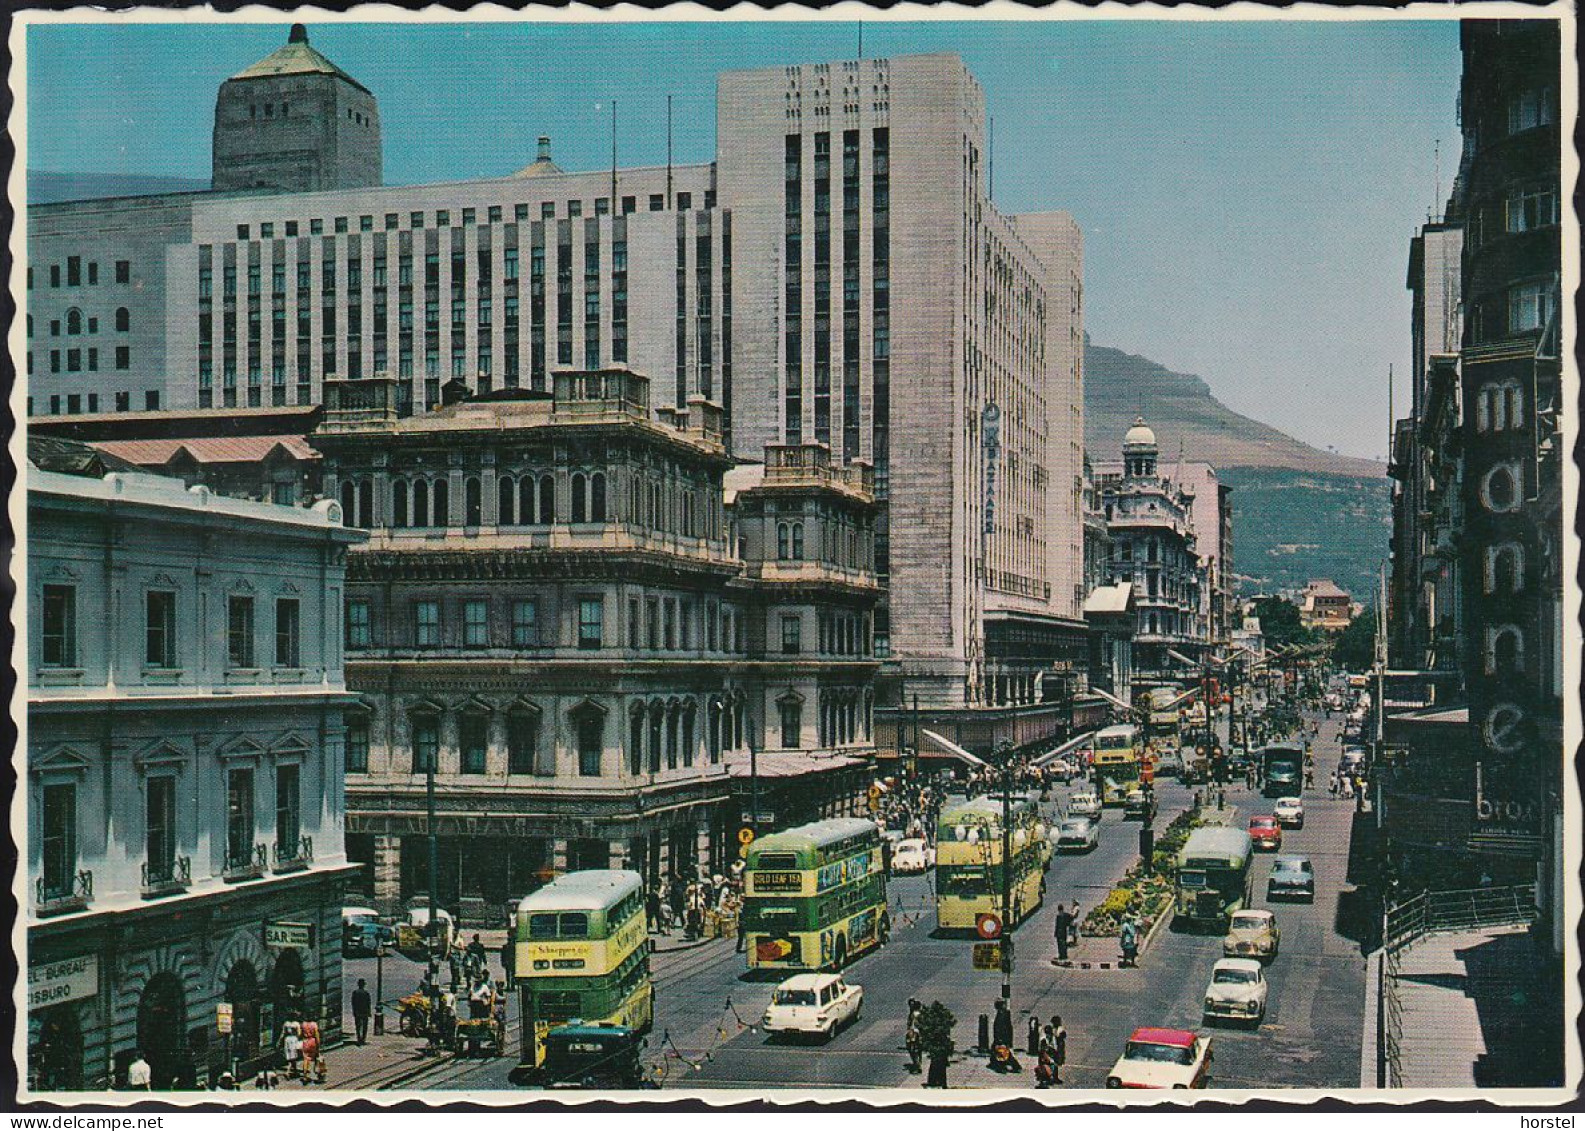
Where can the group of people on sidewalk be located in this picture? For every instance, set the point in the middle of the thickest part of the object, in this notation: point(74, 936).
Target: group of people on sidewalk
point(692, 904)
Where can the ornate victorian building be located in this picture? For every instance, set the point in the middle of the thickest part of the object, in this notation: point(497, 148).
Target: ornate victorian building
point(1154, 546)
point(557, 612)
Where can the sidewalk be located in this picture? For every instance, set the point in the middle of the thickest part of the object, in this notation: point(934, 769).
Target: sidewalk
point(1472, 1007)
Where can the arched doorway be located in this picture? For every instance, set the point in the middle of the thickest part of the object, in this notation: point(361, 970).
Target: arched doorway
point(242, 991)
point(286, 987)
point(55, 1052)
point(162, 1028)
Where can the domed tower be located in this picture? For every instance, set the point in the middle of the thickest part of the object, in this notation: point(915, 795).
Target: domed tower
point(1139, 451)
point(295, 121)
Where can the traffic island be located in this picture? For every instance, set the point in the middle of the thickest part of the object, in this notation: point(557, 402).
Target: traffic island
point(1145, 894)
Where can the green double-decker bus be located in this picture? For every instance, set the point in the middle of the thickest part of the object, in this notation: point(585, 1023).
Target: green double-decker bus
point(583, 955)
point(814, 897)
point(969, 860)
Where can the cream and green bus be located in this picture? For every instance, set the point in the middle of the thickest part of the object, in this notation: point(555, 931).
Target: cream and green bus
point(1116, 763)
point(814, 897)
point(969, 861)
point(583, 955)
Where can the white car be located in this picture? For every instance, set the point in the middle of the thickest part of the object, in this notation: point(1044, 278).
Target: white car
point(1162, 1058)
point(1237, 991)
point(910, 857)
point(1078, 834)
point(815, 1004)
point(1084, 804)
point(1289, 812)
point(1061, 769)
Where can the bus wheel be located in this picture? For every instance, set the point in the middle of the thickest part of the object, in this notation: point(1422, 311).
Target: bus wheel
point(841, 951)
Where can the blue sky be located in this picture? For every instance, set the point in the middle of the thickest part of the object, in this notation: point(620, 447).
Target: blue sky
point(1247, 190)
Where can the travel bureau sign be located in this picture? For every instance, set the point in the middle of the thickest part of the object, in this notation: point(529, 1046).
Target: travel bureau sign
point(68, 980)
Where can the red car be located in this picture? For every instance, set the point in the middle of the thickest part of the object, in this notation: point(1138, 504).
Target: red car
point(1162, 1058)
point(1265, 832)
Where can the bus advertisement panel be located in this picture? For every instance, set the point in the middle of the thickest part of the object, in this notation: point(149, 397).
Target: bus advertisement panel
point(969, 861)
point(1214, 879)
point(583, 954)
point(814, 897)
point(1116, 763)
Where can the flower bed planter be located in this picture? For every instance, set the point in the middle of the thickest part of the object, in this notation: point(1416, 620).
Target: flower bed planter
point(1144, 893)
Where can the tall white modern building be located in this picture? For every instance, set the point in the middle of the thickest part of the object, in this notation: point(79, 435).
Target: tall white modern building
point(886, 308)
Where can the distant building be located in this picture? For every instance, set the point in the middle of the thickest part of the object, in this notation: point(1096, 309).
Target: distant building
point(1212, 513)
point(1250, 637)
point(295, 122)
point(183, 772)
point(1325, 607)
point(1156, 547)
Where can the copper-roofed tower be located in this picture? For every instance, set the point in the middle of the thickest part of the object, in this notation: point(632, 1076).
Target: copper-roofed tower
point(295, 121)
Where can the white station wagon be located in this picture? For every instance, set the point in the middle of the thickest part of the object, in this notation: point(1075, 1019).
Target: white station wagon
point(816, 1004)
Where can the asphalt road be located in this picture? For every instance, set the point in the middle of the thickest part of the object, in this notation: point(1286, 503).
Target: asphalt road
point(708, 1005)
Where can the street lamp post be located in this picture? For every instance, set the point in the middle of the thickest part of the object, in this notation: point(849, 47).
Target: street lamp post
point(1007, 873)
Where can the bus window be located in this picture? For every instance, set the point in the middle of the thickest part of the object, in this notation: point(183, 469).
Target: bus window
point(1191, 879)
point(542, 926)
point(574, 925)
point(963, 879)
point(773, 860)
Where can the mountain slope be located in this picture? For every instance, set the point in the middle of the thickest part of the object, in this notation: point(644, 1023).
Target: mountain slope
point(1120, 386)
point(1298, 513)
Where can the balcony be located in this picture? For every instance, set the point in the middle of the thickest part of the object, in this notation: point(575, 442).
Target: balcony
point(294, 856)
point(69, 893)
point(247, 865)
point(167, 876)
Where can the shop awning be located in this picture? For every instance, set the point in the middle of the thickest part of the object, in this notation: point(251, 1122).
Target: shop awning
point(952, 748)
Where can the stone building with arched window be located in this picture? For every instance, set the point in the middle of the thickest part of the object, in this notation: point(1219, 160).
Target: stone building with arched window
point(559, 611)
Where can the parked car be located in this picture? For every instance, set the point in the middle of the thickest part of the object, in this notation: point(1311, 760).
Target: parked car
point(1237, 991)
point(1078, 834)
point(1289, 812)
point(1162, 1058)
point(912, 857)
point(1265, 832)
point(1252, 933)
point(1084, 804)
point(362, 933)
point(813, 1004)
point(1291, 878)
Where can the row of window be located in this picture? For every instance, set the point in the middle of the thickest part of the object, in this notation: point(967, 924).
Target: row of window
point(468, 217)
point(162, 833)
point(662, 734)
point(74, 272)
point(74, 401)
point(78, 360)
point(663, 623)
point(75, 323)
point(59, 646)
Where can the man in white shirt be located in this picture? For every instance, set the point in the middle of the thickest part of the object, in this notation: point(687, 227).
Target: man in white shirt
point(139, 1075)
